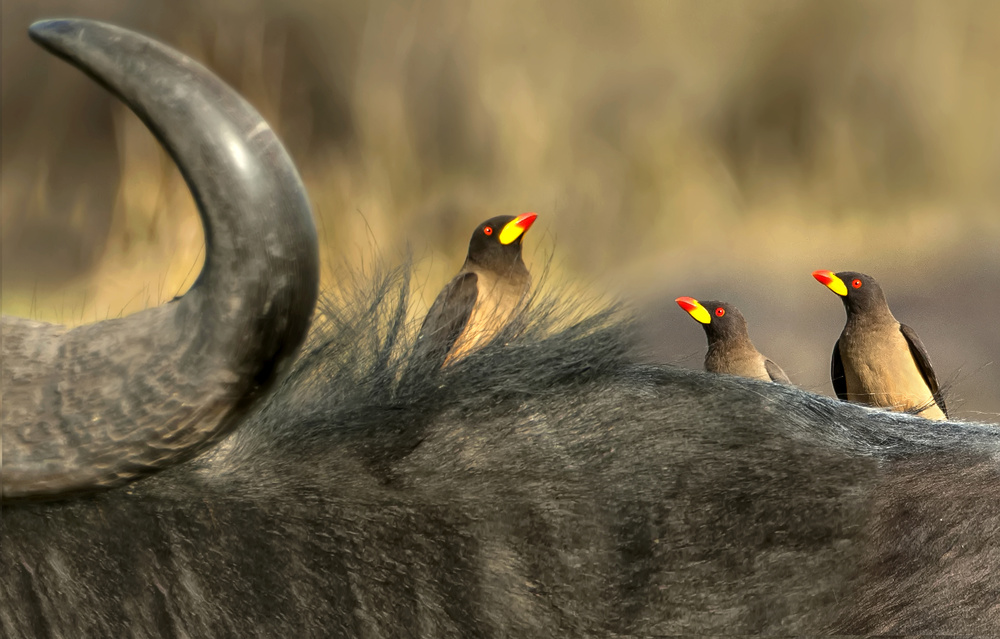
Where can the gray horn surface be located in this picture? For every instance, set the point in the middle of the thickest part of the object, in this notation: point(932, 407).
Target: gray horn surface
point(99, 405)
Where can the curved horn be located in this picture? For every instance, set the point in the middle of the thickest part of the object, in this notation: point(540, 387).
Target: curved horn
point(103, 404)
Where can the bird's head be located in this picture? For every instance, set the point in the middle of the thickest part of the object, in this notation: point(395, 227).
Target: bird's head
point(496, 243)
point(721, 321)
point(859, 292)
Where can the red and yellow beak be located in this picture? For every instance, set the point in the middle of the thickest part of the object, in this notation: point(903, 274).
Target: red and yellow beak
point(694, 309)
point(516, 228)
point(831, 281)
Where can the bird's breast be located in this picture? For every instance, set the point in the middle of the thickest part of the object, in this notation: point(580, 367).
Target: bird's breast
point(737, 361)
point(879, 370)
point(498, 299)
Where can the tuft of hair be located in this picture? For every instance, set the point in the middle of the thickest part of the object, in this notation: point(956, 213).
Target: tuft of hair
point(360, 366)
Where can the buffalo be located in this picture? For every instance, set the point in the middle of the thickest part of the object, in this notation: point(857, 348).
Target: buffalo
point(194, 470)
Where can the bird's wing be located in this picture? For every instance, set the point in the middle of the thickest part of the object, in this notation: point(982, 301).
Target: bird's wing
point(923, 362)
point(448, 316)
point(837, 373)
point(775, 372)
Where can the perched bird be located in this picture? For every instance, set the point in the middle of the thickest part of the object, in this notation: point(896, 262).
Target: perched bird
point(490, 288)
point(878, 361)
point(730, 350)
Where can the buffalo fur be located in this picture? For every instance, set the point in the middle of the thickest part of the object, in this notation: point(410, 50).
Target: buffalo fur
point(546, 486)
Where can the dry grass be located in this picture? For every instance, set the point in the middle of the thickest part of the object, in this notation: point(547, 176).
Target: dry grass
point(712, 149)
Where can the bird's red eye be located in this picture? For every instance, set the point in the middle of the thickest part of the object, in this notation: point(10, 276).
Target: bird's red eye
point(719, 312)
point(488, 230)
point(856, 283)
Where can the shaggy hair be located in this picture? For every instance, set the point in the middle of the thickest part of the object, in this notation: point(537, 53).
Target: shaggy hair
point(545, 486)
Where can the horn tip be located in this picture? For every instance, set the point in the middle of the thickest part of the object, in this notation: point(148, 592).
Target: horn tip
point(44, 30)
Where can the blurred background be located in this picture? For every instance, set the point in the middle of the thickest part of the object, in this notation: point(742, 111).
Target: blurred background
point(721, 150)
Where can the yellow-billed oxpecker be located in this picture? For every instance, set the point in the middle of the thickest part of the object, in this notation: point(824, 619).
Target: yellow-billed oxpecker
point(490, 288)
point(878, 361)
point(730, 350)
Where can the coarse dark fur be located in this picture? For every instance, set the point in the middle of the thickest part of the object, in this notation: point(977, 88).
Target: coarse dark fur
point(542, 487)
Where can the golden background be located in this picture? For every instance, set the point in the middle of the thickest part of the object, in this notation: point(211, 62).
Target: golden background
point(722, 150)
